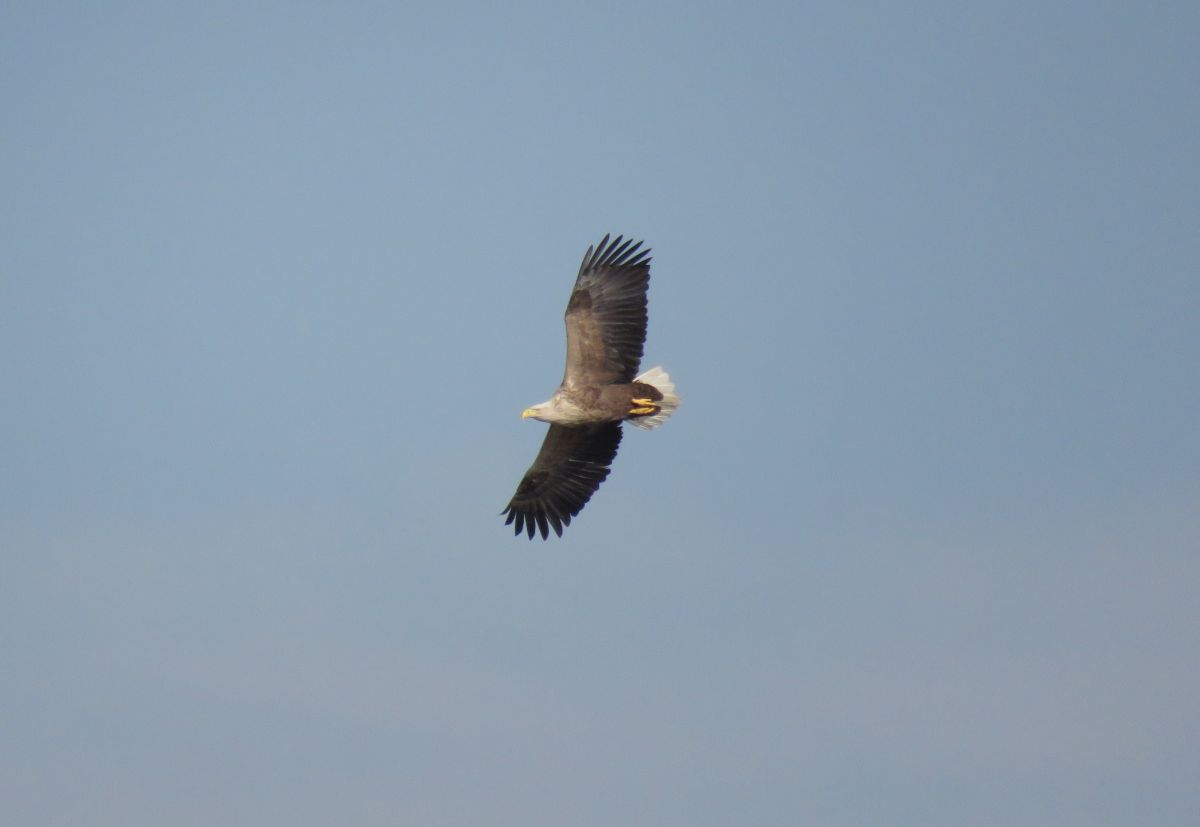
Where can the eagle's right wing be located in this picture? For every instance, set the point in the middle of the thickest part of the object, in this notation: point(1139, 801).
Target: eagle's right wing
point(568, 470)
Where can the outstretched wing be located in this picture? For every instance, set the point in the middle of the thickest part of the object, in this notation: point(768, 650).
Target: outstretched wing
point(606, 316)
point(568, 470)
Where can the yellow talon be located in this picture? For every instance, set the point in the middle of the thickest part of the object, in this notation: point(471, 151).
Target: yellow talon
point(640, 411)
point(643, 402)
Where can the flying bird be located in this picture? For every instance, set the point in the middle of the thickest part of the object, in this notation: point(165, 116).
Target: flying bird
point(606, 329)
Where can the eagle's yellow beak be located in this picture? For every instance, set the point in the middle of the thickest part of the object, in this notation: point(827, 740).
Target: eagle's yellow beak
point(528, 412)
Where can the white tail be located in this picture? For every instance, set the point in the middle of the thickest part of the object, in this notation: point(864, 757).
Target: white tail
point(657, 377)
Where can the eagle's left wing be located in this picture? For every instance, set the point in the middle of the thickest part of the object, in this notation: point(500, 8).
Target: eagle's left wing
point(606, 316)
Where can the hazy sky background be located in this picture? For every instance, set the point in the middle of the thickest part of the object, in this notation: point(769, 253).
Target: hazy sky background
point(921, 547)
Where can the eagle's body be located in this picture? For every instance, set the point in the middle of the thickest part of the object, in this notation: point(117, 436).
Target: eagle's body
point(593, 404)
point(606, 329)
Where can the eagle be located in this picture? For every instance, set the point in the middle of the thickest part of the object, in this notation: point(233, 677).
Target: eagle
point(601, 388)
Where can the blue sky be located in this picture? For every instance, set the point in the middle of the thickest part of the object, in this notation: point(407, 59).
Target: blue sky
point(921, 547)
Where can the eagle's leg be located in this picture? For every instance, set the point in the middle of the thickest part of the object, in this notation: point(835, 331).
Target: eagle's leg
point(648, 409)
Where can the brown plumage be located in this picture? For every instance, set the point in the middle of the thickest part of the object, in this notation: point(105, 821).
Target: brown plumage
point(606, 331)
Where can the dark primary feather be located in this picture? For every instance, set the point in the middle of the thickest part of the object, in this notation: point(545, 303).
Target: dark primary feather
point(606, 316)
point(568, 470)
